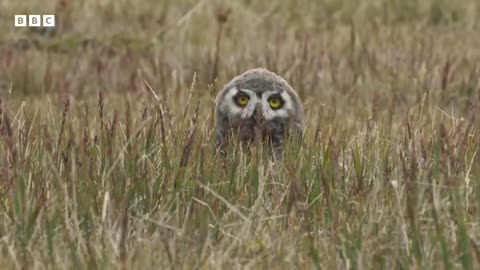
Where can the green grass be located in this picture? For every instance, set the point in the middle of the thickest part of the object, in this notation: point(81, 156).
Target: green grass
point(107, 158)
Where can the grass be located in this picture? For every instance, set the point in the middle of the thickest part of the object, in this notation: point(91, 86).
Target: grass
point(107, 158)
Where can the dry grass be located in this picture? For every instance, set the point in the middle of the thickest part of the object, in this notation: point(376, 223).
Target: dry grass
point(107, 159)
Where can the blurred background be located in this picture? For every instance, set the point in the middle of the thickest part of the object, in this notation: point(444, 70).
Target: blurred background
point(341, 52)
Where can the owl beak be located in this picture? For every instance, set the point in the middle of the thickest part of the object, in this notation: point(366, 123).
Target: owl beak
point(257, 115)
point(257, 118)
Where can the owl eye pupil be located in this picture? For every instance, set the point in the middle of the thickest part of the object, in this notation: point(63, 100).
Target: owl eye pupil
point(275, 102)
point(241, 100)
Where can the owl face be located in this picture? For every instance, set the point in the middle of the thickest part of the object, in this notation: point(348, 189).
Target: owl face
point(260, 105)
point(246, 105)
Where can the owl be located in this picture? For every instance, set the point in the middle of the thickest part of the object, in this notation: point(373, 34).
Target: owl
point(258, 106)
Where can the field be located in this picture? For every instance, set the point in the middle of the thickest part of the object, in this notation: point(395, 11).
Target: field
point(107, 157)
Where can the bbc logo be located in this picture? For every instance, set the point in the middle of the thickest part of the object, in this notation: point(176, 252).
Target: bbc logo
point(35, 20)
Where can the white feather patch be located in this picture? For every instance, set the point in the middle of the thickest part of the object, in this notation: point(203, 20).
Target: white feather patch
point(233, 110)
point(269, 113)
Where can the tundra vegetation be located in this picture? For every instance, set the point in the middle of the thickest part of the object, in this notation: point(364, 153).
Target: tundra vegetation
point(106, 123)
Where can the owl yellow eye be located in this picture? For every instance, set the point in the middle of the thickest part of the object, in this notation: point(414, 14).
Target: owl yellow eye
point(242, 100)
point(275, 102)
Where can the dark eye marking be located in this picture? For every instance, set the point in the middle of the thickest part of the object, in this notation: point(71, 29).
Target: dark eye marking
point(275, 101)
point(241, 99)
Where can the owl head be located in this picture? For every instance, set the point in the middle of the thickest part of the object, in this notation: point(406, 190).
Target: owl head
point(258, 105)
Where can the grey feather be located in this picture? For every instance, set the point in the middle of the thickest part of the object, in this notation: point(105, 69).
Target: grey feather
point(275, 124)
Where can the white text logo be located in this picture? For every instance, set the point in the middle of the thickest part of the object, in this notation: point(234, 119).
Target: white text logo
point(35, 20)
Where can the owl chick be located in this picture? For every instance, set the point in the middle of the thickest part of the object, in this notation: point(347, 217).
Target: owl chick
point(258, 106)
